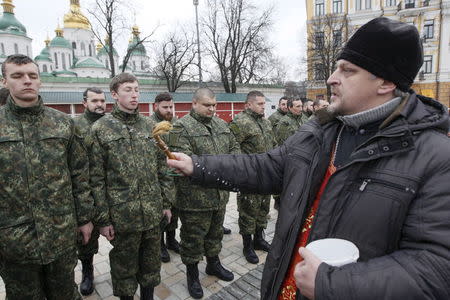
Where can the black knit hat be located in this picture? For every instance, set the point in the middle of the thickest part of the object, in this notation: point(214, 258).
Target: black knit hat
point(388, 49)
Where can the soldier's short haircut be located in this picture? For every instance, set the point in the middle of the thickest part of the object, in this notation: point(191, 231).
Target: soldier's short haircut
point(17, 59)
point(4, 93)
point(120, 79)
point(163, 97)
point(202, 93)
point(93, 89)
point(283, 98)
point(291, 101)
point(316, 102)
point(252, 95)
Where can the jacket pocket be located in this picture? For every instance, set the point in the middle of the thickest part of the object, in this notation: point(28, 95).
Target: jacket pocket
point(381, 205)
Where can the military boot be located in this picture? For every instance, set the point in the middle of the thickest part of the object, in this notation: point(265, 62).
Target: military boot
point(215, 268)
point(259, 243)
point(172, 243)
point(226, 230)
point(193, 283)
point(248, 250)
point(165, 256)
point(147, 293)
point(87, 282)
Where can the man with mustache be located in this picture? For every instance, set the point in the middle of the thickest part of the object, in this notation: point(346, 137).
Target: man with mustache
point(94, 102)
point(373, 170)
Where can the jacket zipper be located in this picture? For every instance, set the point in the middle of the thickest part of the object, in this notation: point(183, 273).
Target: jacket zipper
point(366, 181)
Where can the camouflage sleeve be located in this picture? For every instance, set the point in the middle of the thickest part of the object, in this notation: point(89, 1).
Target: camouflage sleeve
point(79, 172)
point(97, 180)
point(234, 146)
point(165, 181)
point(239, 131)
point(282, 132)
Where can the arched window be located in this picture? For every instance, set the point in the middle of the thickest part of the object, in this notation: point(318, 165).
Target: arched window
point(90, 50)
point(56, 61)
point(83, 49)
point(74, 45)
point(134, 65)
point(16, 48)
point(142, 65)
point(44, 69)
point(63, 60)
point(107, 63)
point(3, 48)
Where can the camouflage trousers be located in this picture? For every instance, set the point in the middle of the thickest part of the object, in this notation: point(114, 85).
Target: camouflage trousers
point(201, 234)
point(53, 281)
point(174, 221)
point(91, 248)
point(135, 259)
point(253, 211)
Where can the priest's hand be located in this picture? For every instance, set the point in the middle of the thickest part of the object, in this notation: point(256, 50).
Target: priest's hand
point(182, 165)
point(305, 273)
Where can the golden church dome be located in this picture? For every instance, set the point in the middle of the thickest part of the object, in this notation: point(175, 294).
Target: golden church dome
point(75, 18)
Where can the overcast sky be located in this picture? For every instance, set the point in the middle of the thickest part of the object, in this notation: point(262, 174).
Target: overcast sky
point(41, 17)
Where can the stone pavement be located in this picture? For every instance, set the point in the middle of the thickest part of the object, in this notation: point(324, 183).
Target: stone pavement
point(173, 278)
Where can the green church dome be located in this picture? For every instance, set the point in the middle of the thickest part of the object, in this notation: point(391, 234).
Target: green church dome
point(9, 24)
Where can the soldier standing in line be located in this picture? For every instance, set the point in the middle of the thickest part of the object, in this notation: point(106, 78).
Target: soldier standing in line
point(44, 190)
point(289, 124)
point(279, 113)
point(132, 191)
point(163, 111)
point(94, 102)
point(202, 210)
point(254, 134)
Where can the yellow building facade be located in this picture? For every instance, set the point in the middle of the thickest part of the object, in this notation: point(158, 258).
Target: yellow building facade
point(431, 17)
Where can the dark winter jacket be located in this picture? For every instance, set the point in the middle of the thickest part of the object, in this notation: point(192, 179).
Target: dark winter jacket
point(392, 199)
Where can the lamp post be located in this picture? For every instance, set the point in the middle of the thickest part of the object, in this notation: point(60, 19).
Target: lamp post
point(200, 79)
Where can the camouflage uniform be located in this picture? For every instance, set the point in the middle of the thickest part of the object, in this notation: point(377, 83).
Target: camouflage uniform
point(202, 210)
point(44, 195)
point(83, 124)
point(254, 135)
point(131, 188)
point(275, 118)
point(175, 215)
point(288, 125)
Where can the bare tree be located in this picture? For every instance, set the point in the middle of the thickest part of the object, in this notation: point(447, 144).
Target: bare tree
point(235, 32)
point(136, 43)
point(295, 89)
point(111, 21)
point(174, 57)
point(325, 38)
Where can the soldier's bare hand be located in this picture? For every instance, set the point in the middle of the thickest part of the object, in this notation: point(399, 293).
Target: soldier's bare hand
point(86, 231)
point(305, 273)
point(107, 232)
point(168, 214)
point(182, 165)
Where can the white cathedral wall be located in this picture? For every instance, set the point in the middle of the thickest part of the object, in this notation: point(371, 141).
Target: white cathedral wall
point(62, 58)
point(15, 44)
point(84, 41)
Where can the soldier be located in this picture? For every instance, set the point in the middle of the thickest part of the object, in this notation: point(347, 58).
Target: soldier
point(163, 111)
point(95, 107)
point(280, 112)
point(289, 124)
point(254, 135)
point(132, 190)
point(44, 190)
point(308, 108)
point(202, 210)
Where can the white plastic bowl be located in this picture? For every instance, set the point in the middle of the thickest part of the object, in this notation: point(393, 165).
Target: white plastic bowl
point(335, 252)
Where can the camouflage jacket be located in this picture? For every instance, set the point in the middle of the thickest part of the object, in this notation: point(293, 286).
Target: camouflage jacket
point(194, 134)
point(85, 121)
point(288, 125)
point(275, 118)
point(253, 132)
point(129, 175)
point(44, 183)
